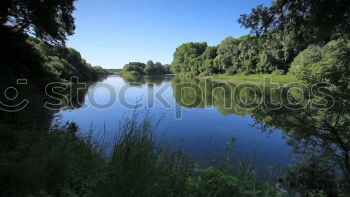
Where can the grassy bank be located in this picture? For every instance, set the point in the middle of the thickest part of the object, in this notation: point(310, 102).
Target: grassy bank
point(257, 78)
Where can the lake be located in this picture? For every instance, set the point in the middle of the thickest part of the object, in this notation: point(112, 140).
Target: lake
point(202, 122)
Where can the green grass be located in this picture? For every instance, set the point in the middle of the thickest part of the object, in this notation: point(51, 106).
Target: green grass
point(257, 78)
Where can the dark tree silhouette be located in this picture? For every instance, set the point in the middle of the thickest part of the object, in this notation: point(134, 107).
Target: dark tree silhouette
point(321, 18)
point(48, 20)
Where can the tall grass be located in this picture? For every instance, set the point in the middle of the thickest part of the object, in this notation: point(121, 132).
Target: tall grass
point(141, 167)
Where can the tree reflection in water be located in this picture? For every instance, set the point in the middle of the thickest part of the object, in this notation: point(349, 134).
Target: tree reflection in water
point(315, 119)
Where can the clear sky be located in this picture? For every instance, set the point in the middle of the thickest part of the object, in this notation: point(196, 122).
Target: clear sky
point(111, 33)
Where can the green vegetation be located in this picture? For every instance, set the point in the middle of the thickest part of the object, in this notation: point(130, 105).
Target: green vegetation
point(328, 64)
point(256, 78)
point(62, 163)
point(39, 60)
point(278, 34)
point(190, 57)
point(318, 131)
point(42, 59)
point(63, 63)
point(315, 120)
point(228, 98)
point(47, 20)
point(150, 68)
point(33, 156)
point(246, 55)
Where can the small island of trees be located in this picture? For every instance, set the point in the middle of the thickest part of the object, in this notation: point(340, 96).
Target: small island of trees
point(150, 68)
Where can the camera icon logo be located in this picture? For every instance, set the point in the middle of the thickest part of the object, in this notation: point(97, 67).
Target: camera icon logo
point(11, 94)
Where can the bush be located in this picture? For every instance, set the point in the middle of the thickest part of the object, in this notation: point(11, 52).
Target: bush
point(214, 181)
point(330, 63)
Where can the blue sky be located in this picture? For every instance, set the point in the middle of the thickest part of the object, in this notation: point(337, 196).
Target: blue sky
point(111, 33)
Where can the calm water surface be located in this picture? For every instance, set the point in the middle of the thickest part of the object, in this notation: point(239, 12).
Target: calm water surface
point(201, 127)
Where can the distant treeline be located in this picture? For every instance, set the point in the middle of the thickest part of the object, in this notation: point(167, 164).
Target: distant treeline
point(246, 55)
point(150, 68)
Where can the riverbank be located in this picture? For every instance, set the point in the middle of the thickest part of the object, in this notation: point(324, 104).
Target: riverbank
point(257, 78)
point(64, 163)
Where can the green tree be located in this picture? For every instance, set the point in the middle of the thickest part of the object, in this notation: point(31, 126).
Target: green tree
point(159, 68)
point(227, 54)
point(168, 68)
point(289, 26)
point(328, 64)
point(207, 63)
point(134, 68)
point(304, 18)
point(185, 57)
point(149, 68)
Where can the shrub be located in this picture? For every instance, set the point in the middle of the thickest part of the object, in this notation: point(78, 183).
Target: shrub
point(329, 63)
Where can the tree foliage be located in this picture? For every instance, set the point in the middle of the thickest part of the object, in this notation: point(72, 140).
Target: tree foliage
point(320, 127)
point(134, 68)
point(150, 68)
point(288, 26)
point(66, 62)
point(186, 57)
point(48, 20)
point(328, 67)
point(306, 18)
point(29, 58)
point(278, 34)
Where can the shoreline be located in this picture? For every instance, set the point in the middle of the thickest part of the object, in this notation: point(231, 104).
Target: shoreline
point(257, 78)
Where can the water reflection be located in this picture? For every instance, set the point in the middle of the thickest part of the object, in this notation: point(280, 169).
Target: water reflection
point(211, 115)
point(227, 98)
point(216, 111)
point(320, 135)
point(137, 80)
point(317, 125)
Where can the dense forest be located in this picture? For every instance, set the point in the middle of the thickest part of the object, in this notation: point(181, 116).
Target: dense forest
point(278, 34)
point(150, 68)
